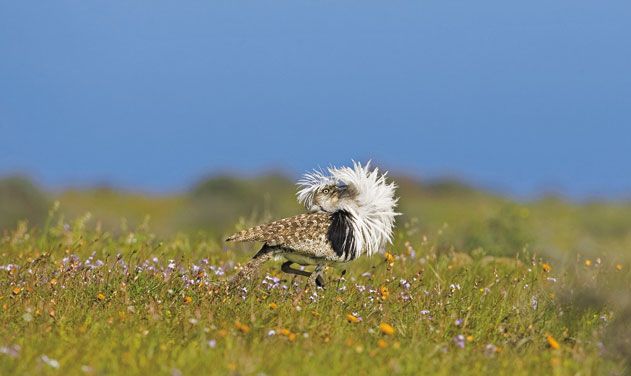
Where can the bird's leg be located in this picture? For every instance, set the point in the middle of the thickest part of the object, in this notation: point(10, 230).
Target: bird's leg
point(315, 279)
point(339, 280)
point(286, 267)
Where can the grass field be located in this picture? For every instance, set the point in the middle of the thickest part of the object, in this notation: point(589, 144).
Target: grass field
point(77, 299)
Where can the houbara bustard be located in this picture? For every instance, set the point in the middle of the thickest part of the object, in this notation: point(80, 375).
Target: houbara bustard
point(350, 213)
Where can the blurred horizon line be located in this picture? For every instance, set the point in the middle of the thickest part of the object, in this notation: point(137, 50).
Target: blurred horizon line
point(545, 191)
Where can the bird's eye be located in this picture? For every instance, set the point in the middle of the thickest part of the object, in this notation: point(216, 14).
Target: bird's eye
point(326, 190)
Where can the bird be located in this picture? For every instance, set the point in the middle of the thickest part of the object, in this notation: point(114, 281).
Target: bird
point(350, 212)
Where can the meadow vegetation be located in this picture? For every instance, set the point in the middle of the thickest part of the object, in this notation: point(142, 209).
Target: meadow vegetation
point(99, 281)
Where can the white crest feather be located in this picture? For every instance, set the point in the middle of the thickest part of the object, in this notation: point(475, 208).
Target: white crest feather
point(309, 185)
point(372, 209)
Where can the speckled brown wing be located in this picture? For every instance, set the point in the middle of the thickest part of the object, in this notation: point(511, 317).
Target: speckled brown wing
point(288, 231)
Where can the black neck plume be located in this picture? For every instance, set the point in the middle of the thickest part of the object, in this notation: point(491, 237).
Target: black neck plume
point(341, 235)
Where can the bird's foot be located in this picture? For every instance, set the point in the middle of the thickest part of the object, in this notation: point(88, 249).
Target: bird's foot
point(315, 279)
point(320, 281)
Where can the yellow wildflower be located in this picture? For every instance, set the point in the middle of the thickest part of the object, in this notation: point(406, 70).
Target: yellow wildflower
point(552, 342)
point(243, 328)
point(386, 329)
point(352, 318)
point(384, 292)
point(222, 333)
point(389, 258)
point(382, 344)
point(273, 306)
point(618, 267)
point(588, 262)
point(16, 290)
point(546, 267)
point(100, 296)
point(188, 300)
point(291, 336)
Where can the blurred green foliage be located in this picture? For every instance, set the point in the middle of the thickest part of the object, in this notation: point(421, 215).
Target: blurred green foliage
point(21, 199)
point(217, 203)
point(504, 234)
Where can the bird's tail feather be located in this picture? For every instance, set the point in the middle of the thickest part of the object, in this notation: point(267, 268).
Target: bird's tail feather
point(251, 234)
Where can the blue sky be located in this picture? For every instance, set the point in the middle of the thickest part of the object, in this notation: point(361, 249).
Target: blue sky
point(150, 95)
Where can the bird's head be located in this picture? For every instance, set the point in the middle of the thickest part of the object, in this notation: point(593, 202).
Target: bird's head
point(331, 197)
